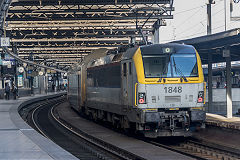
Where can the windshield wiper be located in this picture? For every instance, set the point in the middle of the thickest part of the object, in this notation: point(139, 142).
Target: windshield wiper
point(164, 69)
point(179, 71)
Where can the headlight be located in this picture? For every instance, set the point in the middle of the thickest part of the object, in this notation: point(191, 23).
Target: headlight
point(141, 98)
point(200, 97)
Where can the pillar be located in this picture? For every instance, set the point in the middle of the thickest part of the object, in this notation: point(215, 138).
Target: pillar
point(46, 82)
point(209, 17)
point(45, 78)
point(210, 92)
point(226, 54)
point(156, 36)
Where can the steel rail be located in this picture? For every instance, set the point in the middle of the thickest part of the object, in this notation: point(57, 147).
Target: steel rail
point(94, 141)
point(38, 127)
point(199, 150)
point(35, 122)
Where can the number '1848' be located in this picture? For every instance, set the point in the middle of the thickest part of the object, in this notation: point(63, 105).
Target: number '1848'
point(173, 89)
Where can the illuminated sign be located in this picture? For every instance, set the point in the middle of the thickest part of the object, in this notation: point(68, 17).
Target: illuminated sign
point(5, 42)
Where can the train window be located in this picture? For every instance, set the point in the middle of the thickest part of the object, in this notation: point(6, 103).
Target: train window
point(174, 65)
point(184, 64)
point(130, 68)
point(124, 69)
point(157, 66)
point(107, 76)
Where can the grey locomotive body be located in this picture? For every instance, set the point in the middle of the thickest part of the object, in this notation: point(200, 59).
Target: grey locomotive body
point(157, 89)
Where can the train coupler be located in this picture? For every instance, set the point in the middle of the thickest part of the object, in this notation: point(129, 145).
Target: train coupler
point(172, 125)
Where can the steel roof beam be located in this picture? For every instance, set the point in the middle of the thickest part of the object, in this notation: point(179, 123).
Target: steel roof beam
point(71, 44)
point(88, 2)
point(77, 34)
point(65, 9)
point(64, 48)
point(107, 39)
point(60, 52)
point(80, 17)
point(67, 30)
point(53, 56)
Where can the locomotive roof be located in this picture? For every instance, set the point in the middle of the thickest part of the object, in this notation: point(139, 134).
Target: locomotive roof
point(154, 49)
point(159, 48)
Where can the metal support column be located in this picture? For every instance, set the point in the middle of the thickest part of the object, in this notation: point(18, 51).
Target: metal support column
point(58, 82)
point(45, 78)
point(31, 85)
point(209, 15)
point(14, 50)
point(156, 36)
point(156, 27)
point(210, 92)
point(2, 75)
point(229, 82)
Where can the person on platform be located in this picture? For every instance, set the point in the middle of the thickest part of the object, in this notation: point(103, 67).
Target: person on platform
point(7, 91)
point(218, 84)
point(53, 87)
point(14, 91)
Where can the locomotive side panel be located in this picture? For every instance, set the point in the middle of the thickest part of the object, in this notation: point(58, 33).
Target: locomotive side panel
point(104, 88)
point(73, 90)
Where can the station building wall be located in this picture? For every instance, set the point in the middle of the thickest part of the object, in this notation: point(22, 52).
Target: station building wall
point(219, 101)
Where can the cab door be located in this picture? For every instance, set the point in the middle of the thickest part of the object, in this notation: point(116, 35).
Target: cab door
point(127, 82)
point(124, 83)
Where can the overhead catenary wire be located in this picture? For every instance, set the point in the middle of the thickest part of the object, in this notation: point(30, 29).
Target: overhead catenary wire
point(196, 25)
point(198, 33)
point(188, 18)
point(181, 32)
point(180, 12)
point(204, 31)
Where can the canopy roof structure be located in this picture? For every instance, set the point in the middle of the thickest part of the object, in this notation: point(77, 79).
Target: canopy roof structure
point(64, 31)
point(219, 47)
point(215, 44)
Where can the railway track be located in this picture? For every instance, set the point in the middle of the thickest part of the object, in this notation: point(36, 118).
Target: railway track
point(114, 150)
point(42, 118)
point(200, 150)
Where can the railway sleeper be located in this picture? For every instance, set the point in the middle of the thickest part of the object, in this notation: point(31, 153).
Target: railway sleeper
point(208, 153)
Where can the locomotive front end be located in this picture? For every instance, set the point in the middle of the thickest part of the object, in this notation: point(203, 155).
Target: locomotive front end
point(170, 91)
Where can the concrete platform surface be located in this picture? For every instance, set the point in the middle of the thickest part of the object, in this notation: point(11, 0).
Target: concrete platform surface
point(222, 132)
point(19, 141)
point(133, 145)
point(221, 121)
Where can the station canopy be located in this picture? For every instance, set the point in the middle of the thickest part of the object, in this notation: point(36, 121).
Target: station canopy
point(64, 31)
point(215, 44)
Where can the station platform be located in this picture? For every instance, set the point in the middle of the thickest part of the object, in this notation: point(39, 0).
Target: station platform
point(223, 122)
point(112, 138)
point(221, 131)
point(19, 141)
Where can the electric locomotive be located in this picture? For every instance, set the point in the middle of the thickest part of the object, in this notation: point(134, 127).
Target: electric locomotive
point(157, 90)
